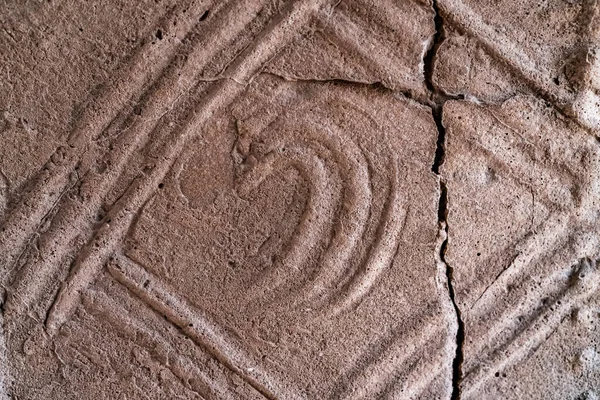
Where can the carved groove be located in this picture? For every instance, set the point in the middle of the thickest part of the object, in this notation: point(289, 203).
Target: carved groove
point(334, 286)
point(319, 204)
point(221, 94)
point(181, 366)
point(384, 249)
point(50, 183)
point(197, 325)
point(499, 45)
point(78, 216)
point(551, 272)
point(583, 285)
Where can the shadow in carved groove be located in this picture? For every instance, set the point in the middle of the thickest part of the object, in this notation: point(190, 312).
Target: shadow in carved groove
point(105, 239)
point(335, 168)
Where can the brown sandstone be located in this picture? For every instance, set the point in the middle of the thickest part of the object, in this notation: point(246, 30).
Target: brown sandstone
point(307, 199)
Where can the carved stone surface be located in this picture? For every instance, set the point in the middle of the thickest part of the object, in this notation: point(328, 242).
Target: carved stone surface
point(312, 199)
point(526, 278)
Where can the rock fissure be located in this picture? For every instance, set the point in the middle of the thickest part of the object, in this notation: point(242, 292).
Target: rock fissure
point(457, 374)
point(437, 99)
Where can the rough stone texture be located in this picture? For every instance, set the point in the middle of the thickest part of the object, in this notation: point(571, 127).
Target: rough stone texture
point(521, 167)
point(497, 49)
point(523, 212)
point(364, 41)
point(212, 226)
point(305, 199)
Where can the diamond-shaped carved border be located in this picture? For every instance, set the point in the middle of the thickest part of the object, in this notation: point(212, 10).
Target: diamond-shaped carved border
point(578, 280)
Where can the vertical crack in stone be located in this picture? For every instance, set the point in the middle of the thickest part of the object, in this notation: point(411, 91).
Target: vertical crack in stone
point(438, 99)
point(460, 332)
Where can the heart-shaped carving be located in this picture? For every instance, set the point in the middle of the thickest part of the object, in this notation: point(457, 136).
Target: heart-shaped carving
point(342, 175)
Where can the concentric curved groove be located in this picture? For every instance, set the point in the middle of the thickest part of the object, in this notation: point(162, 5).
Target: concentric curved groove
point(47, 186)
point(221, 94)
point(313, 221)
point(334, 262)
point(382, 253)
point(536, 333)
point(352, 220)
point(78, 217)
point(199, 327)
